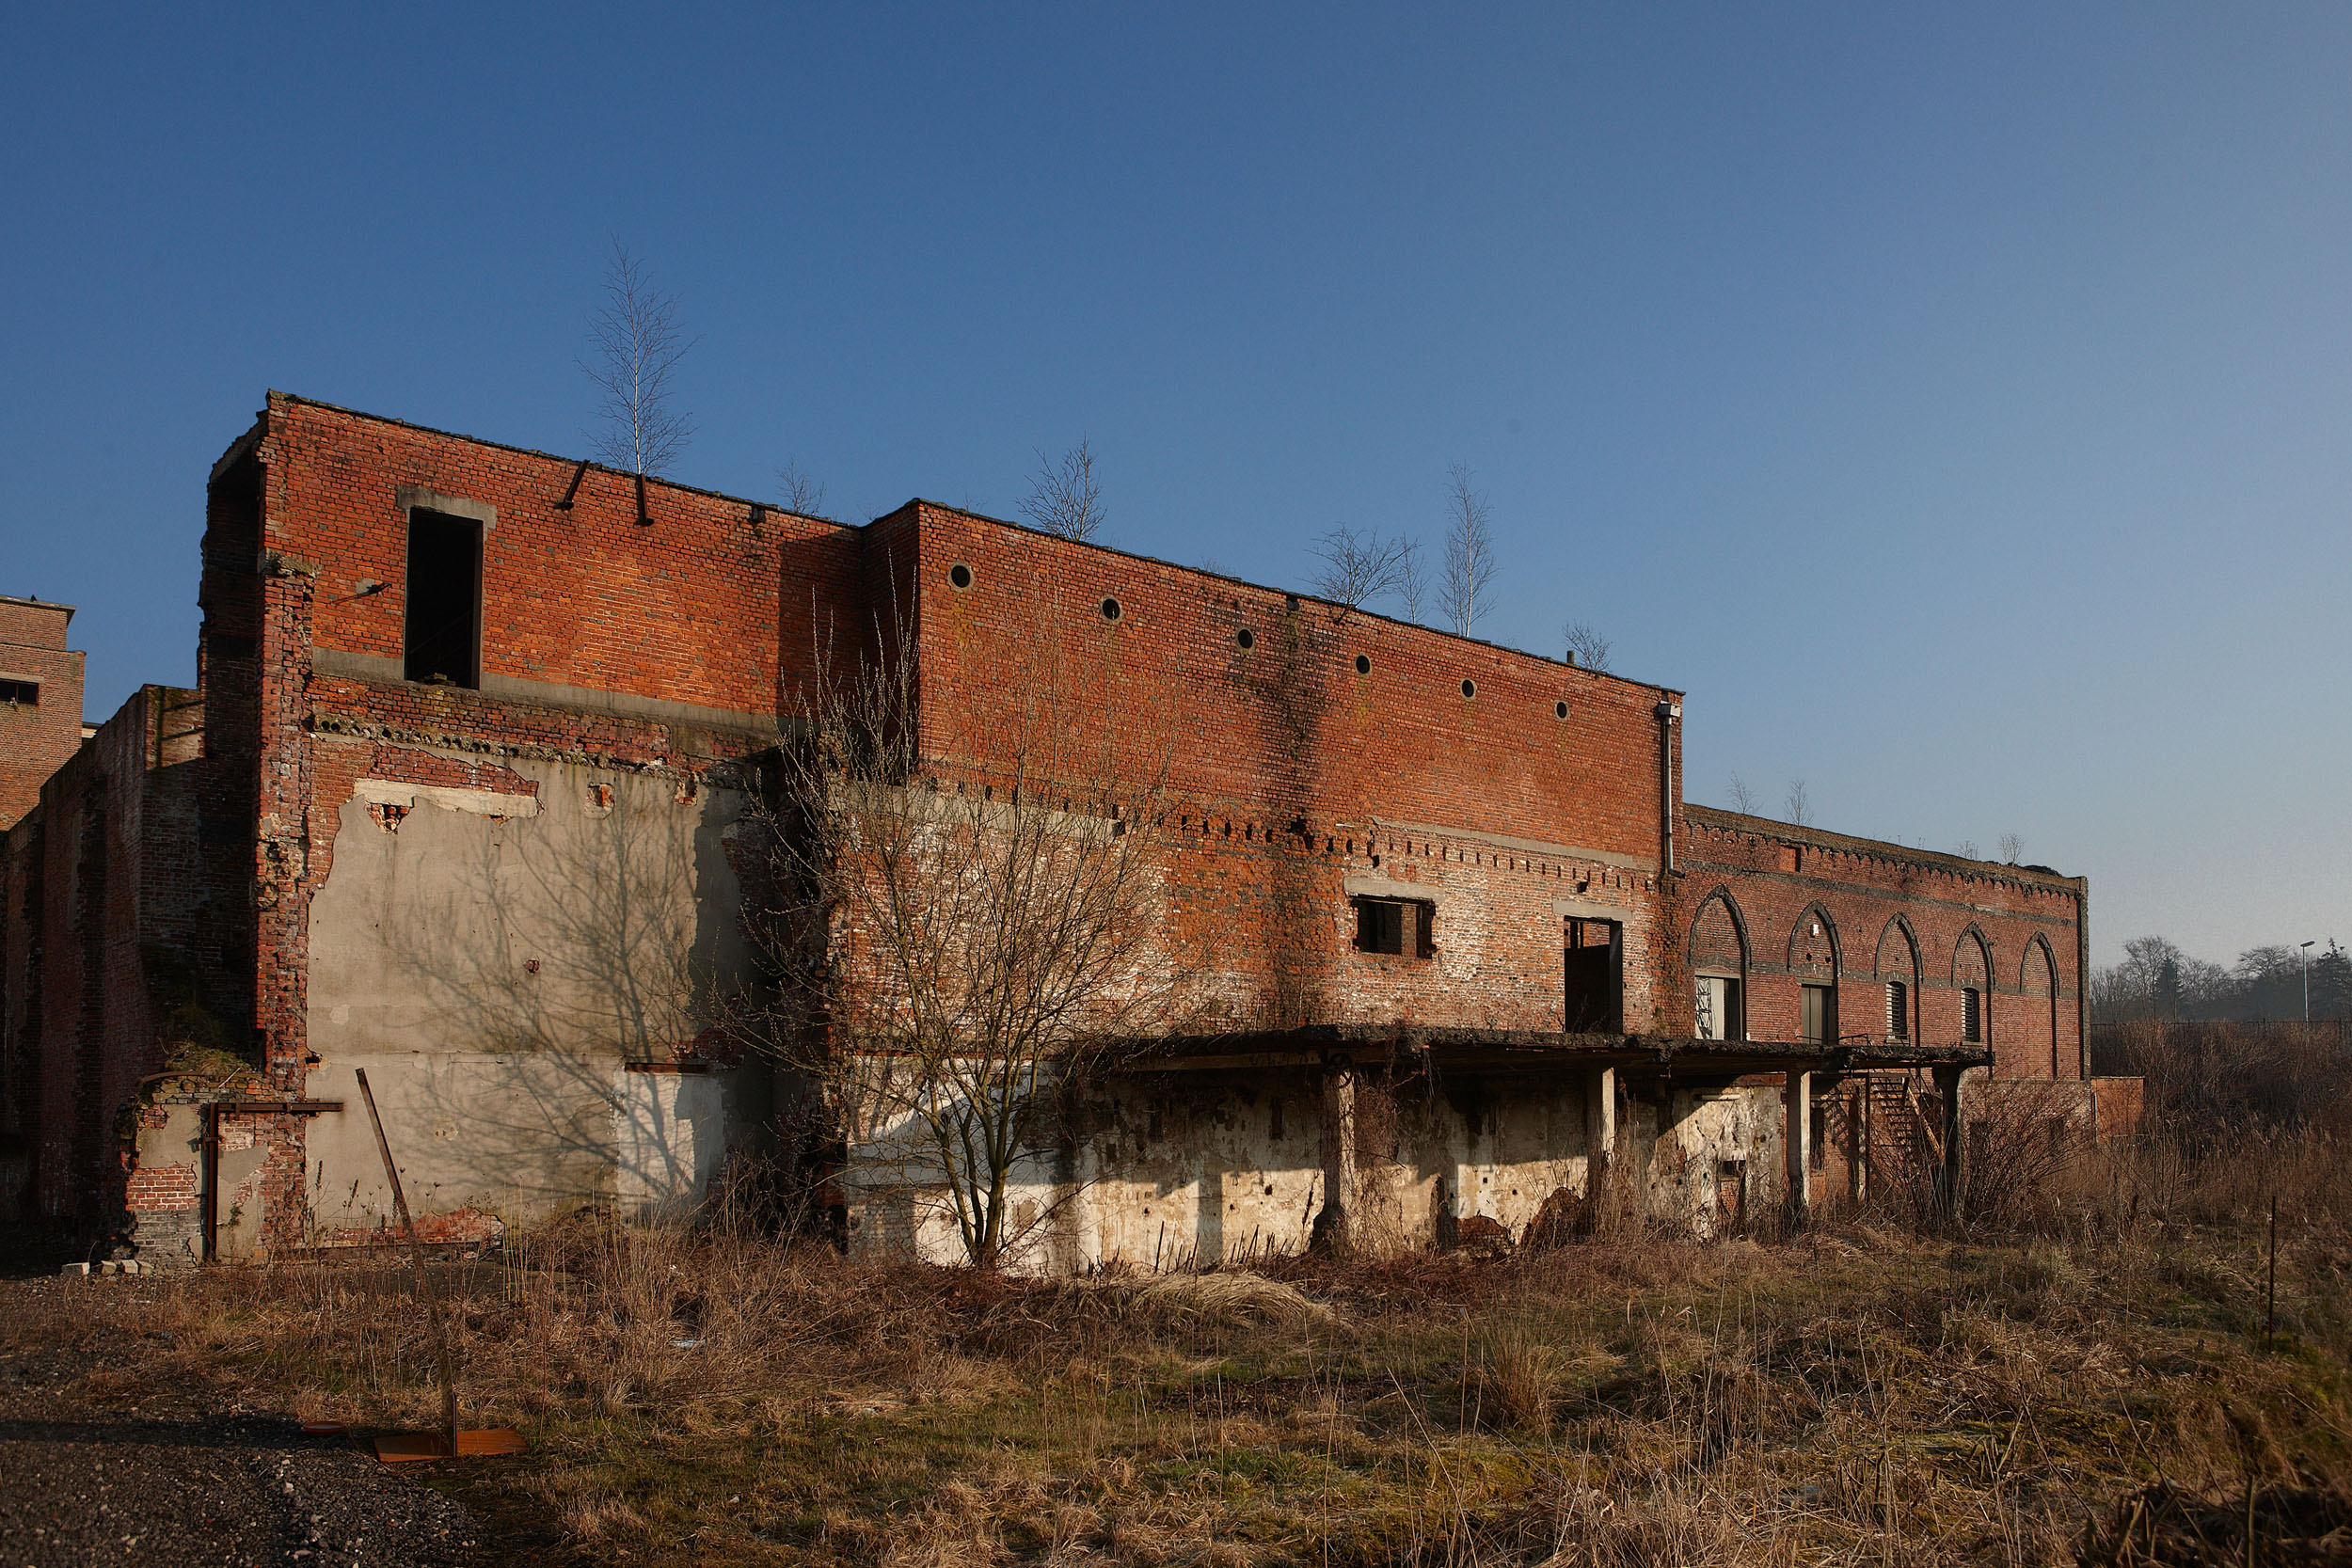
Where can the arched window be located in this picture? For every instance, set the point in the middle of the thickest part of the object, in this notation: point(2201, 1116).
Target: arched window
point(1898, 969)
point(1972, 978)
point(1814, 960)
point(1719, 970)
point(2038, 980)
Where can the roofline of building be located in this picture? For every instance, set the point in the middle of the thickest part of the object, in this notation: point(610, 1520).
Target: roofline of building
point(1287, 593)
point(1789, 833)
point(534, 451)
point(37, 603)
point(1674, 692)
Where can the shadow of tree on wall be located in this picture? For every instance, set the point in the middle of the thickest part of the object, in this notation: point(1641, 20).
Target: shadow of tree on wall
point(518, 964)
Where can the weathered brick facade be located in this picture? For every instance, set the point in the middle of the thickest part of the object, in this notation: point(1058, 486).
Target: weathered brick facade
point(531, 925)
point(41, 699)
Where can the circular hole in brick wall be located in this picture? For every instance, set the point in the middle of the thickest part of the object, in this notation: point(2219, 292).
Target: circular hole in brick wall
point(1110, 610)
point(1558, 710)
point(1363, 664)
point(958, 576)
point(1470, 689)
point(1246, 638)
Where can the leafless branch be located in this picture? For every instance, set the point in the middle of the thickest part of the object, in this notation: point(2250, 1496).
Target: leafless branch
point(1358, 568)
point(635, 345)
point(802, 492)
point(1743, 800)
point(2012, 849)
point(1064, 498)
point(1469, 552)
point(956, 947)
point(1586, 645)
point(1800, 804)
point(1412, 577)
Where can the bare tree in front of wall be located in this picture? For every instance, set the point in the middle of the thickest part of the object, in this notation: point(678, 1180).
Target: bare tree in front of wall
point(802, 492)
point(1358, 568)
point(1064, 497)
point(1469, 552)
point(1586, 645)
point(953, 954)
point(1798, 804)
point(1743, 800)
point(2012, 849)
point(635, 343)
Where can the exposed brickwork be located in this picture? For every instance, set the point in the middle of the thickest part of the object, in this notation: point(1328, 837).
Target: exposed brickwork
point(39, 728)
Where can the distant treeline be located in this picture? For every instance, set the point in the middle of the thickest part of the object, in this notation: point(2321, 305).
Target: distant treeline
point(2157, 981)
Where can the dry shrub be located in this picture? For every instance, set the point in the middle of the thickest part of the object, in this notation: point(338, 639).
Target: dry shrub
point(1193, 1302)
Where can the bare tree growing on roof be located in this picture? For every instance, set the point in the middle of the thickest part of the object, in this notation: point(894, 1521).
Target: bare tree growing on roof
point(1743, 800)
point(1800, 804)
point(1412, 577)
point(955, 947)
point(1064, 497)
point(1358, 568)
point(1469, 552)
point(635, 343)
point(1586, 645)
point(2012, 849)
point(802, 492)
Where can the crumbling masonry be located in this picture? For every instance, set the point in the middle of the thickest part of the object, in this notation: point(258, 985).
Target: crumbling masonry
point(451, 800)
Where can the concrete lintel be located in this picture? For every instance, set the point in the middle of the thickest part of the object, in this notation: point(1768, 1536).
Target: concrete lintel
point(1382, 887)
point(1589, 908)
point(409, 498)
point(481, 802)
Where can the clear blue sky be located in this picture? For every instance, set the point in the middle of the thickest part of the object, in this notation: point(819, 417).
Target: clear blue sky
point(1954, 400)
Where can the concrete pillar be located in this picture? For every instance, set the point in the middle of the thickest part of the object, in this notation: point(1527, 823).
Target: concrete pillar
point(1340, 1184)
point(1947, 1179)
point(1600, 1134)
point(1797, 1101)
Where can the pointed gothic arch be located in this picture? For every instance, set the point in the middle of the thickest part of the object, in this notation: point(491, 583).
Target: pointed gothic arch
point(2038, 980)
point(1899, 972)
point(1719, 954)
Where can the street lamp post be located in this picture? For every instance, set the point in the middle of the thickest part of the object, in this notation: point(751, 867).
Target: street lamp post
point(2307, 981)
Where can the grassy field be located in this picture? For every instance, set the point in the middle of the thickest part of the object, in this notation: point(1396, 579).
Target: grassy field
point(2089, 1380)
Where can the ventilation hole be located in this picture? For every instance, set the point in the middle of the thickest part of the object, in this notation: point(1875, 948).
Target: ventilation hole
point(1363, 664)
point(1470, 689)
point(959, 576)
point(1245, 639)
point(1558, 710)
point(1110, 610)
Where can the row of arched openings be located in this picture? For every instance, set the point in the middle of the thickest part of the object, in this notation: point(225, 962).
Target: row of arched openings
point(1831, 986)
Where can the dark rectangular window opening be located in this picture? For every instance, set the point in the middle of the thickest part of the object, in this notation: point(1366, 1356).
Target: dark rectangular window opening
point(1972, 1015)
point(1817, 1141)
point(444, 637)
point(1718, 1014)
point(1594, 961)
point(1402, 927)
point(1817, 1024)
point(1898, 1010)
point(19, 693)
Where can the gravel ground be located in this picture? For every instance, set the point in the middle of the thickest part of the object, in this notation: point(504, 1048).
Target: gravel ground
point(98, 1465)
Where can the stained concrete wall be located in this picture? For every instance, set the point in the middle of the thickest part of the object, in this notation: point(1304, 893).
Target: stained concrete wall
point(494, 961)
point(1181, 1170)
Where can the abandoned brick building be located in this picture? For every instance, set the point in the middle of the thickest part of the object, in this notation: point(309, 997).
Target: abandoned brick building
point(450, 802)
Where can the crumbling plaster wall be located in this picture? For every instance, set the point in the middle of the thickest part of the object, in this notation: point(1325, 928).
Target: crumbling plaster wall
point(1189, 1169)
point(494, 958)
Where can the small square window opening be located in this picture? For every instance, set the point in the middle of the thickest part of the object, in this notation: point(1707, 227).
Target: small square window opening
point(18, 693)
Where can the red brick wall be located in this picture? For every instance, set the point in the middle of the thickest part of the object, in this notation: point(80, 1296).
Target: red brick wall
point(36, 739)
point(1875, 902)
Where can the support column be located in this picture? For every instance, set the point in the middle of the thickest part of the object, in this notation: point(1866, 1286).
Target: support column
point(1947, 1179)
point(1601, 1135)
point(1797, 1101)
point(1339, 1180)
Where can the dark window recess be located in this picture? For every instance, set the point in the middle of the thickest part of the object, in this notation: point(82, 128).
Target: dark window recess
point(444, 600)
point(19, 693)
point(1395, 925)
point(1817, 1024)
point(1898, 1010)
point(1399, 926)
point(1971, 1015)
point(227, 645)
point(1818, 1139)
point(1593, 960)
